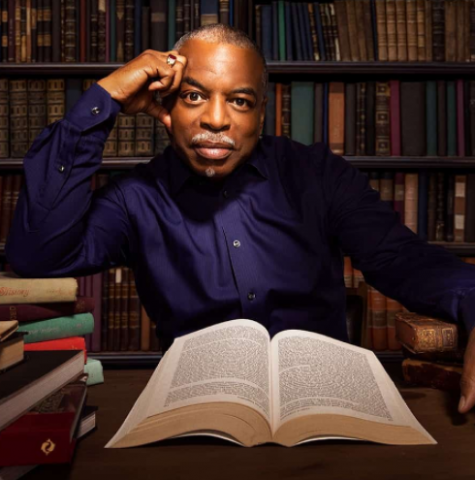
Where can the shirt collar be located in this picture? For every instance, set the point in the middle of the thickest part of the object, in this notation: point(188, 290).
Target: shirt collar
point(180, 173)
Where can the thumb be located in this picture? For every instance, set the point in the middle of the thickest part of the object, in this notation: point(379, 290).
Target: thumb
point(159, 112)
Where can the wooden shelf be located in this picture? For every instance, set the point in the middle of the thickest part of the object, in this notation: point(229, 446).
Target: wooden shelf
point(111, 163)
point(333, 69)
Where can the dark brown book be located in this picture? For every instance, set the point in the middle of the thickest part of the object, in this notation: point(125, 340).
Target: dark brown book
point(460, 30)
point(55, 31)
point(438, 30)
point(430, 374)
point(4, 33)
point(449, 208)
point(55, 99)
point(360, 118)
point(413, 118)
point(186, 16)
point(6, 208)
point(47, 31)
point(129, 31)
point(69, 33)
point(28, 30)
point(336, 117)
point(343, 29)
point(23, 30)
point(381, 31)
point(421, 33)
point(93, 31)
point(18, 118)
point(370, 118)
point(313, 31)
point(440, 213)
point(135, 307)
point(466, 27)
point(391, 30)
point(411, 28)
point(117, 308)
point(450, 31)
point(318, 112)
point(105, 311)
point(120, 29)
point(110, 308)
point(36, 97)
point(350, 118)
point(101, 31)
point(158, 25)
point(4, 119)
point(386, 187)
point(11, 31)
point(145, 30)
point(143, 135)
point(124, 310)
point(383, 146)
point(445, 358)
point(472, 30)
point(352, 30)
point(360, 31)
point(460, 207)
point(368, 29)
point(432, 206)
point(428, 30)
point(470, 214)
point(126, 135)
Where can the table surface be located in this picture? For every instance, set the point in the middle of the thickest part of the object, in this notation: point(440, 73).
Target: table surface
point(211, 458)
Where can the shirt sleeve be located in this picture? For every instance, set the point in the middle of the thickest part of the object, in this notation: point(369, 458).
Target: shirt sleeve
point(60, 226)
point(425, 278)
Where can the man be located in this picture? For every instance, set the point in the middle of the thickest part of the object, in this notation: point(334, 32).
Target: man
point(224, 224)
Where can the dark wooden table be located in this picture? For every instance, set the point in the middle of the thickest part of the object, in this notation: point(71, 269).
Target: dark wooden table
point(211, 458)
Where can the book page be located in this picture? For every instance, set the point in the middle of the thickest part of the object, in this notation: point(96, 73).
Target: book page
point(228, 362)
point(313, 373)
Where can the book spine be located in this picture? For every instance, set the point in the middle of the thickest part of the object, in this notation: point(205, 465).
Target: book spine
point(460, 207)
point(68, 343)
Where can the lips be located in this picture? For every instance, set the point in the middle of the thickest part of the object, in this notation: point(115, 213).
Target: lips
point(214, 151)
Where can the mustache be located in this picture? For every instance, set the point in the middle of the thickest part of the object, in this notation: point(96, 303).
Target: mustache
point(209, 137)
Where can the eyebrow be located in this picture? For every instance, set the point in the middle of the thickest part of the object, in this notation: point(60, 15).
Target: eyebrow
point(195, 83)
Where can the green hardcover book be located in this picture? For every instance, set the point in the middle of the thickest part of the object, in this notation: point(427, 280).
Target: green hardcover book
point(301, 112)
point(113, 36)
point(171, 23)
point(431, 118)
point(95, 372)
point(451, 120)
point(60, 327)
point(282, 55)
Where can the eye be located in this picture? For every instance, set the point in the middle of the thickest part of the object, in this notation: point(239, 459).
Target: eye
point(246, 102)
point(185, 95)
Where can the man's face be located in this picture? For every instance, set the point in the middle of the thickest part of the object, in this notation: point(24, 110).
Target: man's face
point(220, 100)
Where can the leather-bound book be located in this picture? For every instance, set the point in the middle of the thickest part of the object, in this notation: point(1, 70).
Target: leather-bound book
point(432, 206)
point(352, 30)
point(101, 30)
point(431, 117)
point(413, 118)
point(307, 34)
point(430, 374)
point(224, 11)
point(126, 135)
point(105, 304)
point(18, 118)
point(411, 196)
point(119, 30)
point(438, 30)
point(360, 30)
point(460, 30)
point(144, 330)
point(343, 29)
point(143, 135)
point(382, 119)
point(318, 112)
point(423, 189)
point(112, 145)
point(472, 31)
point(333, 30)
point(386, 183)
point(55, 99)
point(392, 308)
point(145, 29)
point(391, 30)
point(411, 25)
point(160, 138)
point(28, 29)
point(449, 207)
point(428, 30)
point(129, 53)
point(11, 31)
point(158, 26)
point(336, 117)
point(440, 212)
point(69, 34)
point(360, 118)
point(134, 314)
point(368, 30)
point(209, 12)
point(395, 117)
point(460, 207)
point(93, 28)
point(350, 118)
point(379, 321)
point(118, 279)
point(4, 119)
point(124, 310)
point(286, 111)
point(6, 208)
point(471, 122)
point(470, 213)
point(111, 309)
point(450, 31)
point(23, 30)
point(381, 30)
point(421, 33)
point(461, 107)
point(4, 31)
point(36, 108)
point(56, 31)
point(370, 120)
point(399, 194)
point(441, 118)
point(466, 27)
point(326, 30)
point(313, 32)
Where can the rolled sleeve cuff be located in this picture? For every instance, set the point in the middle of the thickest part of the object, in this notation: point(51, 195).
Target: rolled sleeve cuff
point(94, 112)
point(467, 310)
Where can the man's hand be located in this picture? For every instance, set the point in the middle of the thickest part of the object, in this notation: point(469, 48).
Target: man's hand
point(133, 84)
point(467, 384)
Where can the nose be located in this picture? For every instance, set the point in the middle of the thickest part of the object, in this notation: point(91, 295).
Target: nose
point(215, 115)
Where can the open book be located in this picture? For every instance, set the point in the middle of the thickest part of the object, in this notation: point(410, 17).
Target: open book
point(231, 381)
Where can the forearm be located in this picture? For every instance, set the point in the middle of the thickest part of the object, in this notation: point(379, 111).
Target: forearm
point(49, 225)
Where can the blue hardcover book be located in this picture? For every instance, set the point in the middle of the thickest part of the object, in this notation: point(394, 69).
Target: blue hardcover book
point(325, 113)
point(288, 32)
point(295, 31)
point(112, 33)
point(269, 122)
point(275, 31)
point(375, 31)
point(209, 11)
point(171, 23)
point(73, 91)
point(308, 32)
point(318, 25)
point(422, 204)
point(137, 27)
point(302, 33)
point(266, 31)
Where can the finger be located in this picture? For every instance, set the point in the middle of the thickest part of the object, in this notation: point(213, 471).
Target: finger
point(467, 383)
point(157, 111)
point(178, 68)
point(157, 70)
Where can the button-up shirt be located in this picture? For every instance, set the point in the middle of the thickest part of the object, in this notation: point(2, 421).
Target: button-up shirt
point(267, 243)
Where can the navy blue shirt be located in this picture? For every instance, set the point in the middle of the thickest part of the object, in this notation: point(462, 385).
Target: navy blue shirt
point(266, 244)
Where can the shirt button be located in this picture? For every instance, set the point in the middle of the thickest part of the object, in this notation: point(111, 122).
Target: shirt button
point(95, 111)
point(61, 168)
point(251, 296)
point(236, 243)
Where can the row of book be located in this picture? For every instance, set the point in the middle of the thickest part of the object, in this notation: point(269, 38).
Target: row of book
point(382, 118)
point(44, 371)
point(368, 30)
point(27, 106)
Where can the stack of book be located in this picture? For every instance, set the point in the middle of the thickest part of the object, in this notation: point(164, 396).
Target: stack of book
point(433, 349)
point(51, 315)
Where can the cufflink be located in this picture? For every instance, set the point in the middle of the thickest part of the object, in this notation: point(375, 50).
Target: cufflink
point(95, 111)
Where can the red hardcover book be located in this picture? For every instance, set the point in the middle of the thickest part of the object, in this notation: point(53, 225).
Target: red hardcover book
point(46, 433)
point(43, 311)
point(395, 118)
point(460, 119)
point(69, 343)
